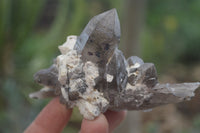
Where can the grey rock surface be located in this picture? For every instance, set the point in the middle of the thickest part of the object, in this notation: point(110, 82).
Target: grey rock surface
point(93, 74)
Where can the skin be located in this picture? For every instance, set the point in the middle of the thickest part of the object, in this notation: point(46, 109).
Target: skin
point(54, 117)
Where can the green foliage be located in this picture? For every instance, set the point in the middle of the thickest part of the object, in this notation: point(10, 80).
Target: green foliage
point(172, 32)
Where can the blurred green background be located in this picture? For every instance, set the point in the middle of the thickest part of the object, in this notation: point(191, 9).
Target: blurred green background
point(166, 33)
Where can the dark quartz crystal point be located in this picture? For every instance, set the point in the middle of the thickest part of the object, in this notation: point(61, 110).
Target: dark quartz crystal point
point(147, 75)
point(100, 37)
point(134, 60)
point(48, 77)
point(117, 68)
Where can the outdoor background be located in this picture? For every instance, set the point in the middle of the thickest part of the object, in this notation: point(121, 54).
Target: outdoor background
point(166, 33)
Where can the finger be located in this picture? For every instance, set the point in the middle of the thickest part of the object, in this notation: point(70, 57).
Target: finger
point(114, 118)
point(98, 125)
point(52, 119)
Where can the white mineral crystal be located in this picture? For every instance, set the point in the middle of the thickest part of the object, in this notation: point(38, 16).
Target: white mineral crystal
point(109, 77)
point(91, 72)
point(68, 63)
point(68, 45)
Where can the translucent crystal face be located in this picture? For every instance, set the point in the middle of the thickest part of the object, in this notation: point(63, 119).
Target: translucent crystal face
point(93, 74)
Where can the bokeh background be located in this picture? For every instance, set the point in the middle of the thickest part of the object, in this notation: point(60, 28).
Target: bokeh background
point(166, 33)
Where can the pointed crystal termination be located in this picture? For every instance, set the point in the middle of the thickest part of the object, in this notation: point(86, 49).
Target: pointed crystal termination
point(117, 68)
point(135, 61)
point(100, 37)
point(116, 76)
point(48, 77)
point(145, 74)
point(140, 72)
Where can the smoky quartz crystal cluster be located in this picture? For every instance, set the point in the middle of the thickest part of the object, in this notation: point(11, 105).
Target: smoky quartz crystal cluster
point(92, 74)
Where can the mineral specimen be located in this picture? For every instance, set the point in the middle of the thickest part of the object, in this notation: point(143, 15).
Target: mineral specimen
point(93, 74)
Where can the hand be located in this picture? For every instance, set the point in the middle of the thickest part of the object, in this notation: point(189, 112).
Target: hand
point(54, 117)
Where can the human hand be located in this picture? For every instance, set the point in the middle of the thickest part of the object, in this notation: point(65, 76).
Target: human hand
point(54, 117)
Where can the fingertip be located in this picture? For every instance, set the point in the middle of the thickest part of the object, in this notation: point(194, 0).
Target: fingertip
point(51, 119)
point(98, 125)
point(114, 118)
